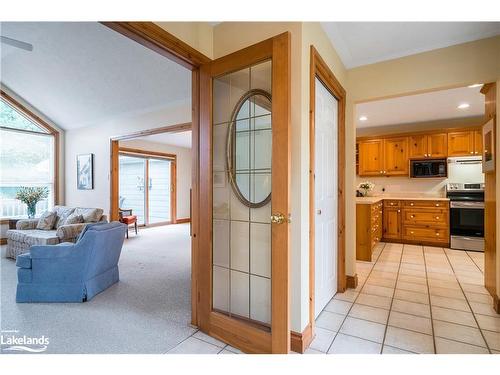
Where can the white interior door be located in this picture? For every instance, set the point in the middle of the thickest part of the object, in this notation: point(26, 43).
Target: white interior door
point(326, 198)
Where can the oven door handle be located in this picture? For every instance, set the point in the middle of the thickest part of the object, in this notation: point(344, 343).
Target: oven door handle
point(472, 205)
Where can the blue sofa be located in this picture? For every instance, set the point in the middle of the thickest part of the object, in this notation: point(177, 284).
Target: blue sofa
point(71, 272)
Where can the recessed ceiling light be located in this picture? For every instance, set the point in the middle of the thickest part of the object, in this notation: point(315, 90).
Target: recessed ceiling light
point(463, 106)
point(475, 85)
point(363, 118)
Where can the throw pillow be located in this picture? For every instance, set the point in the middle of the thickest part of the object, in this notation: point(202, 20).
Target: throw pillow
point(74, 219)
point(63, 217)
point(47, 220)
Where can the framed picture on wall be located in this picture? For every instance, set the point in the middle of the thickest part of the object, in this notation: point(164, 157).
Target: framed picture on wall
point(85, 171)
point(488, 147)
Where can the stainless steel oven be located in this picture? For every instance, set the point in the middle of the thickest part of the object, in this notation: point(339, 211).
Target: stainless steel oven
point(466, 216)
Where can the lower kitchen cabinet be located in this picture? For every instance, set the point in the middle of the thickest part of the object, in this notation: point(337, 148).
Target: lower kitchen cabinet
point(424, 222)
point(368, 229)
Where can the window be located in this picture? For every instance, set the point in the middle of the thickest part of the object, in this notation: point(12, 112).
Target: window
point(28, 151)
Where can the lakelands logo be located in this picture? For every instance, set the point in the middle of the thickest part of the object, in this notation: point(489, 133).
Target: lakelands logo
point(11, 341)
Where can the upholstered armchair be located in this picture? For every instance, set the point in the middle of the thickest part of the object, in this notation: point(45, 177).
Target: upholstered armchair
point(71, 272)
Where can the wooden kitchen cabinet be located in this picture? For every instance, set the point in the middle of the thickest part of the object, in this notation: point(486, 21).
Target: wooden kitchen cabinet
point(368, 229)
point(437, 145)
point(417, 146)
point(478, 142)
point(426, 222)
point(371, 157)
point(461, 143)
point(396, 156)
point(392, 223)
point(423, 146)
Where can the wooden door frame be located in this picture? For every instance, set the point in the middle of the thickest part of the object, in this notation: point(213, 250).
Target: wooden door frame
point(159, 40)
point(319, 69)
point(145, 154)
point(237, 332)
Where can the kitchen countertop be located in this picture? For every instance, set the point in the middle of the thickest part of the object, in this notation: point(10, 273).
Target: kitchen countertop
point(372, 200)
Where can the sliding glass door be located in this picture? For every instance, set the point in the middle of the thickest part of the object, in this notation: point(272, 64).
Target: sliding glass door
point(146, 187)
point(160, 189)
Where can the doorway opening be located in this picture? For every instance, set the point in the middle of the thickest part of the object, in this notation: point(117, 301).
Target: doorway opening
point(326, 190)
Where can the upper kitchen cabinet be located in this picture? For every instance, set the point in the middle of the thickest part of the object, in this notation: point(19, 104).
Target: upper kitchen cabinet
point(417, 146)
point(478, 142)
point(461, 143)
point(396, 156)
point(423, 146)
point(437, 145)
point(371, 157)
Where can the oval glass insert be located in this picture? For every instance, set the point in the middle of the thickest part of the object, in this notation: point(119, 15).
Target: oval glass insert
point(249, 148)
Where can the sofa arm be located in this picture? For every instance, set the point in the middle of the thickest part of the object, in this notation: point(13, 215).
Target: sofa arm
point(70, 232)
point(26, 224)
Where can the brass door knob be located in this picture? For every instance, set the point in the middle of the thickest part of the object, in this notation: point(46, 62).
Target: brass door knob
point(277, 218)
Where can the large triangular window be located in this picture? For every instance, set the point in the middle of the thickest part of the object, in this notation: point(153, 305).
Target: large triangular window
point(11, 118)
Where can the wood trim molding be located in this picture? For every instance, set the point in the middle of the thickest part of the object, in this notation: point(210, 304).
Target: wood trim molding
point(183, 220)
point(319, 68)
point(161, 41)
point(496, 303)
point(44, 125)
point(352, 281)
point(177, 128)
point(146, 153)
point(423, 132)
point(140, 153)
point(299, 342)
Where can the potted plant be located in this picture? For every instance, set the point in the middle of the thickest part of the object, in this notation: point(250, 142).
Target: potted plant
point(31, 196)
point(365, 188)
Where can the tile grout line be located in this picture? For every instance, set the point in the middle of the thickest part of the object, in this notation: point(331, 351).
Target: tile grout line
point(430, 303)
point(355, 299)
point(473, 261)
point(468, 303)
point(392, 300)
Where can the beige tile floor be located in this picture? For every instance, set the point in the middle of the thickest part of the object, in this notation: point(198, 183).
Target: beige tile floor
point(412, 299)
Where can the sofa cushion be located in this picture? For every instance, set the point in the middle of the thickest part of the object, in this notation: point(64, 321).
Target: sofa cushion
point(33, 236)
point(74, 218)
point(23, 260)
point(62, 214)
point(47, 220)
point(90, 215)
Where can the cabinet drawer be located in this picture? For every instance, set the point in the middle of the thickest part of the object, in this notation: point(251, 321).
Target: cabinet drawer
point(425, 204)
point(426, 234)
point(391, 203)
point(421, 216)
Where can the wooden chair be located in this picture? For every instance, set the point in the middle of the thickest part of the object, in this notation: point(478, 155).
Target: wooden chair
point(127, 218)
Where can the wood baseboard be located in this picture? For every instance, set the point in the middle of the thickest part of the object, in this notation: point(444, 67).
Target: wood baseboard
point(352, 281)
point(3, 241)
point(184, 220)
point(301, 341)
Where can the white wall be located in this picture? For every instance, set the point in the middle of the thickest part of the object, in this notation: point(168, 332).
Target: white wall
point(96, 139)
point(184, 164)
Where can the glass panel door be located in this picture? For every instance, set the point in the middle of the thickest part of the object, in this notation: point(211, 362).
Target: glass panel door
point(132, 186)
point(159, 190)
point(243, 261)
point(242, 139)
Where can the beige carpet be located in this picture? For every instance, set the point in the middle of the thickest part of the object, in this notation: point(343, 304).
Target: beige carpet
point(148, 311)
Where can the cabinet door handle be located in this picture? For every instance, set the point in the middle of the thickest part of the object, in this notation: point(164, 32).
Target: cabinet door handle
point(437, 217)
point(412, 204)
point(412, 216)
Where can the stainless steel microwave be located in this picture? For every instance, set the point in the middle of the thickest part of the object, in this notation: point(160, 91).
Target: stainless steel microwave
point(428, 168)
